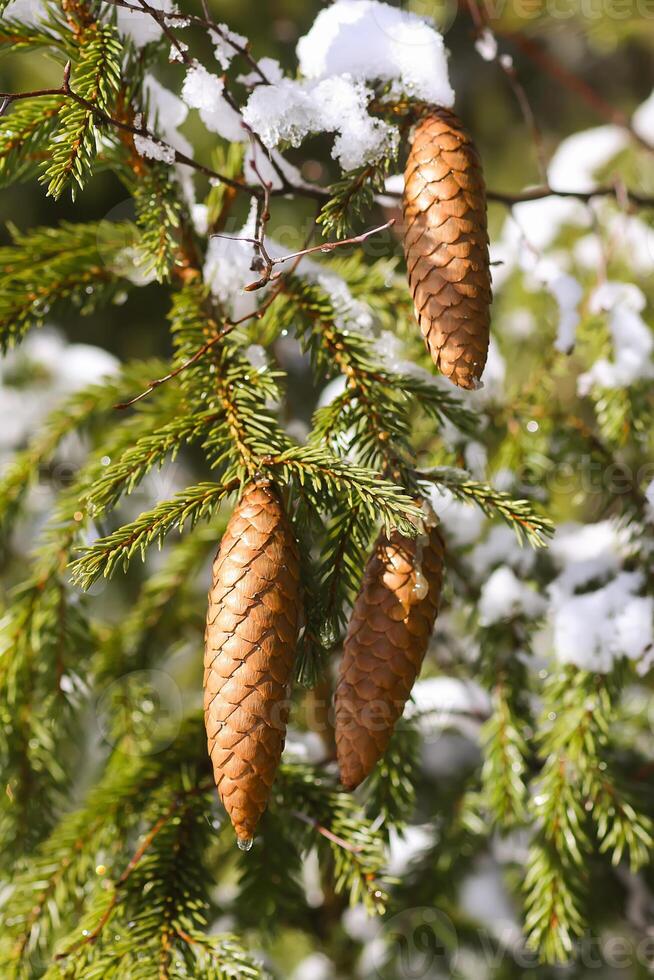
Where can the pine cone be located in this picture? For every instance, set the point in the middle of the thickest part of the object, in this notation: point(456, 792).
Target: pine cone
point(387, 638)
point(252, 628)
point(446, 246)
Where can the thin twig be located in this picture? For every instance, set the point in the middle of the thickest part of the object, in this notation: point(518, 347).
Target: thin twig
point(330, 835)
point(330, 246)
point(66, 91)
point(306, 190)
point(573, 83)
point(201, 351)
point(271, 262)
point(481, 21)
point(161, 20)
point(182, 367)
point(257, 315)
point(206, 22)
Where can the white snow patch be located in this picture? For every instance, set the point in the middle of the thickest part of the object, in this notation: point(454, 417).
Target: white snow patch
point(290, 110)
point(132, 264)
point(504, 596)
point(167, 112)
point(486, 45)
point(578, 158)
point(588, 252)
point(539, 222)
point(519, 323)
point(259, 166)
point(139, 27)
point(633, 342)
point(149, 147)
point(351, 45)
point(593, 629)
point(373, 41)
point(204, 91)
point(224, 41)
point(595, 624)
point(270, 67)
point(500, 547)
point(643, 119)
point(405, 847)
point(463, 523)
point(228, 269)
point(568, 294)
point(84, 364)
point(447, 695)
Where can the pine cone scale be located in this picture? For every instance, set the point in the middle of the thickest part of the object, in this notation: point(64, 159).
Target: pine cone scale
point(389, 631)
point(253, 622)
point(445, 218)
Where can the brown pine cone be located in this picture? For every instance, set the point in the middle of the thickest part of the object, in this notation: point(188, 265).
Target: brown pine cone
point(386, 642)
point(446, 246)
point(252, 628)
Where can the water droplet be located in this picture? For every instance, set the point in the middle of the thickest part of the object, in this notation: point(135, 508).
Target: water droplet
point(420, 585)
point(245, 843)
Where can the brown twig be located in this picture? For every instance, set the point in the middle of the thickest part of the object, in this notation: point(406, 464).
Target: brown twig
point(205, 22)
point(573, 83)
point(319, 194)
point(201, 351)
point(325, 832)
point(271, 262)
point(481, 22)
point(94, 933)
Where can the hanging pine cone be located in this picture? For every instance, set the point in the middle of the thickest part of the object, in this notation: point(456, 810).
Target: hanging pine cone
point(252, 628)
point(387, 638)
point(446, 246)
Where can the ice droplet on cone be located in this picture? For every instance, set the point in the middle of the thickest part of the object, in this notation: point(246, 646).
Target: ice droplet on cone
point(245, 843)
point(420, 586)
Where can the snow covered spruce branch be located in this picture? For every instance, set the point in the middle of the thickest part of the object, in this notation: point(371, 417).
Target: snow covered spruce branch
point(157, 147)
point(351, 434)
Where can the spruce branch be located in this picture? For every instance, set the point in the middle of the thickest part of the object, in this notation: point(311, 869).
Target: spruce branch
point(96, 77)
point(184, 510)
point(148, 451)
point(46, 267)
point(518, 514)
point(22, 136)
point(78, 413)
point(578, 797)
point(321, 479)
point(43, 638)
point(619, 194)
point(158, 216)
point(340, 832)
